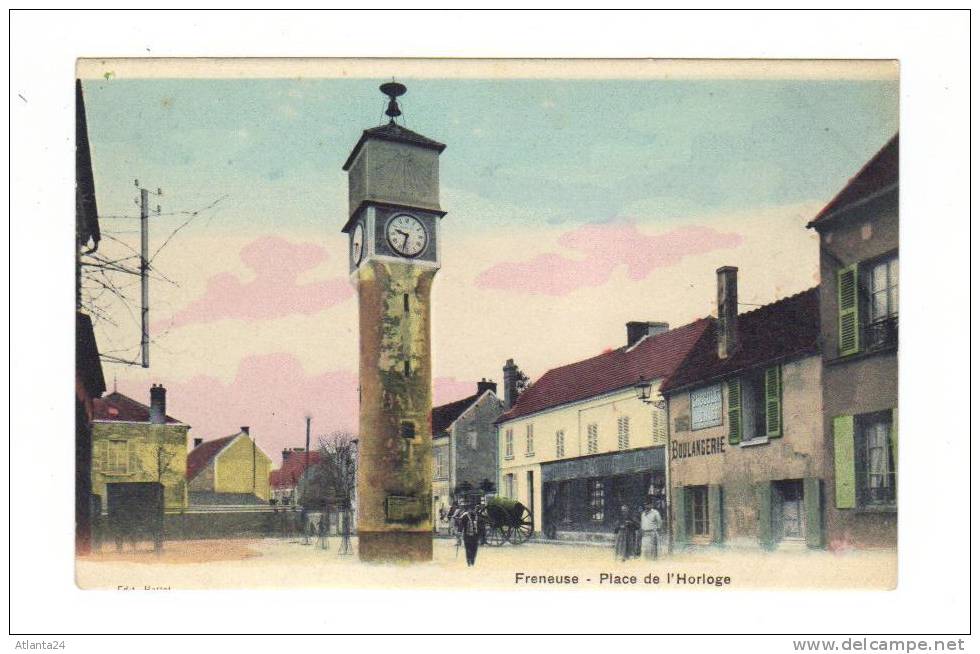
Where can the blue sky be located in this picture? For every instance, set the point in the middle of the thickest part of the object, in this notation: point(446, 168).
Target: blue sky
point(567, 151)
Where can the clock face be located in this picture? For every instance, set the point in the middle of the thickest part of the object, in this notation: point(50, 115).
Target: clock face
point(357, 244)
point(406, 235)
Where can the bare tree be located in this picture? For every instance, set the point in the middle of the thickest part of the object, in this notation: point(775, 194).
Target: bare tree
point(332, 480)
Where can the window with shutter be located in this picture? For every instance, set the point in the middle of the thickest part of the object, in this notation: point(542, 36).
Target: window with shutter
point(847, 307)
point(659, 427)
point(592, 438)
point(509, 444)
point(845, 494)
point(529, 446)
point(559, 444)
point(734, 411)
point(623, 432)
point(774, 409)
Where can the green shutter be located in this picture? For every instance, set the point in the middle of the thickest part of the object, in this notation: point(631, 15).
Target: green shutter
point(847, 307)
point(846, 495)
point(734, 411)
point(763, 495)
point(814, 516)
point(774, 403)
point(680, 514)
point(715, 519)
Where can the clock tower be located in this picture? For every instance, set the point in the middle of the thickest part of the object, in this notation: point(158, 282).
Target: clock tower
point(394, 245)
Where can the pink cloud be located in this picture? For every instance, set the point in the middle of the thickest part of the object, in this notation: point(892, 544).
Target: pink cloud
point(272, 394)
point(273, 293)
point(601, 248)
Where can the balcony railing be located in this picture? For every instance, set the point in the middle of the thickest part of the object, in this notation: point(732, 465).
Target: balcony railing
point(882, 334)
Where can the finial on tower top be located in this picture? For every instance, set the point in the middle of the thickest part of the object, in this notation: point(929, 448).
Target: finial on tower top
point(393, 89)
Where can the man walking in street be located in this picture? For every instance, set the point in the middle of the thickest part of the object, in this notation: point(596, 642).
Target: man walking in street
point(650, 525)
point(470, 526)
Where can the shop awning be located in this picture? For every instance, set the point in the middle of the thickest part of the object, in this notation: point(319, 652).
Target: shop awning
point(649, 459)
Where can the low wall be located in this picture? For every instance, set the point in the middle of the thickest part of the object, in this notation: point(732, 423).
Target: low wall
point(194, 524)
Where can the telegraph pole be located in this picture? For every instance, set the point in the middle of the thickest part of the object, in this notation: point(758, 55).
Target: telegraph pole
point(144, 277)
point(307, 462)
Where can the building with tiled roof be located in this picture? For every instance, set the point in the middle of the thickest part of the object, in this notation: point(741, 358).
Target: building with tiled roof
point(582, 440)
point(464, 447)
point(859, 239)
point(747, 462)
point(134, 442)
point(231, 470)
point(285, 480)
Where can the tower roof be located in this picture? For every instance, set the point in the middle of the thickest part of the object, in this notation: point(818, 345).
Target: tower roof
point(393, 132)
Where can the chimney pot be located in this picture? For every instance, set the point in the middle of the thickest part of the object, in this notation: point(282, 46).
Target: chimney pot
point(727, 310)
point(510, 384)
point(245, 430)
point(158, 404)
point(483, 386)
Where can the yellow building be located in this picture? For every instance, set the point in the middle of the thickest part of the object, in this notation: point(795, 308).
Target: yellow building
point(132, 442)
point(229, 470)
point(580, 442)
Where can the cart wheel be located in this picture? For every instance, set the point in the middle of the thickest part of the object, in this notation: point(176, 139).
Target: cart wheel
point(496, 536)
point(523, 529)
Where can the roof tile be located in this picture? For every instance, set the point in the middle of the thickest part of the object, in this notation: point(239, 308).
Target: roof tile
point(116, 406)
point(786, 328)
point(654, 357)
point(880, 172)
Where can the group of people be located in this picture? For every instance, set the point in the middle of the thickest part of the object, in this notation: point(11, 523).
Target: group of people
point(639, 535)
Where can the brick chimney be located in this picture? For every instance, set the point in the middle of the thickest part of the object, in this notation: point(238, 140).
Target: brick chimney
point(510, 384)
point(727, 311)
point(158, 404)
point(198, 441)
point(484, 385)
point(245, 430)
point(637, 329)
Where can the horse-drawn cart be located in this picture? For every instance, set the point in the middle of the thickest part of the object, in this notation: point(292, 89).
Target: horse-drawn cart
point(507, 521)
point(502, 520)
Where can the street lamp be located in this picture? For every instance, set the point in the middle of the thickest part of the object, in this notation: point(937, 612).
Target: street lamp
point(643, 390)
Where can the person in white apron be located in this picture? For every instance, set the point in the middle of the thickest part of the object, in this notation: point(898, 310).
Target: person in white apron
point(650, 525)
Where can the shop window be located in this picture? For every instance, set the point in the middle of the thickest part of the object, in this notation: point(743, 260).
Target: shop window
point(559, 443)
point(592, 438)
point(623, 432)
point(706, 407)
point(597, 500)
point(697, 510)
point(874, 460)
point(509, 444)
point(529, 440)
point(565, 501)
